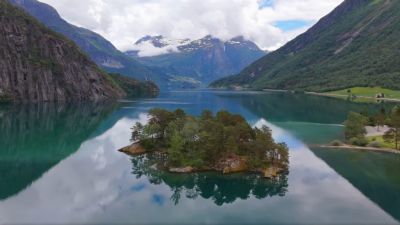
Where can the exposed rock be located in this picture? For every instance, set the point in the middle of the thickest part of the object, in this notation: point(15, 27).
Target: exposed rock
point(271, 172)
point(234, 165)
point(37, 64)
point(187, 169)
point(134, 149)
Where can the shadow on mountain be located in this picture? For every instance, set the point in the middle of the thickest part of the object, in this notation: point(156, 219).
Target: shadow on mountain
point(283, 107)
point(34, 138)
point(376, 175)
point(221, 189)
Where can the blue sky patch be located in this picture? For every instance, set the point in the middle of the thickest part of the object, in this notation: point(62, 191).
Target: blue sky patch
point(265, 3)
point(158, 199)
point(288, 25)
point(138, 187)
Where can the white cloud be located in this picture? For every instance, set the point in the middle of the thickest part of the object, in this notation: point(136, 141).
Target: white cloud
point(124, 21)
point(146, 49)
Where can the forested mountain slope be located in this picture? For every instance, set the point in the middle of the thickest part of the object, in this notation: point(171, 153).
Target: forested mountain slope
point(355, 45)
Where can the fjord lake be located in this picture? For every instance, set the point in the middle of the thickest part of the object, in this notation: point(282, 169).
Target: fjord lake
point(60, 164)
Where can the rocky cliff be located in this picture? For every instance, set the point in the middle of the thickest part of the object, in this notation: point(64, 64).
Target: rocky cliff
point(37, 64)
point(99, 49)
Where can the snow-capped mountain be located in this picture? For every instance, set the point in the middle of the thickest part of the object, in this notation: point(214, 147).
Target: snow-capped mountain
point(156, 45)
point(201, 61)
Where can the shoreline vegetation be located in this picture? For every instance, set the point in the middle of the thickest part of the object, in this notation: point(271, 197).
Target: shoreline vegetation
point(361, 94)
point(358, 98)
point(356, 94)
point(377, 132)
point(223, 143)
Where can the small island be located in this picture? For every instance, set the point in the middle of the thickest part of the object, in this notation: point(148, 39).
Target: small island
point(224, 143)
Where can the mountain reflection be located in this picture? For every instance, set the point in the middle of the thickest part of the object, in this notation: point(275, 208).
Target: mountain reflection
point(376, 175)
point(221, 189)
point(283, 107)
point(34, 138)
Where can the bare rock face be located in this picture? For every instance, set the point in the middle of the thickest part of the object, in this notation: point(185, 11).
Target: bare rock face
point(134, 149)
point(272, 172)
point(234, 165)
point(37, 64)
point(187, 169)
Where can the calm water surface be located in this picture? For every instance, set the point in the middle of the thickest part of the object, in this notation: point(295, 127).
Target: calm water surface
point(59, 164)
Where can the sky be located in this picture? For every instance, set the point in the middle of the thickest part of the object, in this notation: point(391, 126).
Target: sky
point(269, 23)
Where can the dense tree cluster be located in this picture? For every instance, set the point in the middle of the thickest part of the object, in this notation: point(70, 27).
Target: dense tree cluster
point(203, 141)
point(355, 131)
point(393, 134)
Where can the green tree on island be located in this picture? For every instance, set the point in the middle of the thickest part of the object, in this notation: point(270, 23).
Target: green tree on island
point(355, 128)
point(393, 135)
point(209, 142)
point(380, 118)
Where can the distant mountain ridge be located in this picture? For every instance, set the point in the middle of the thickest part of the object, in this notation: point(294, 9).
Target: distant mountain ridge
point(203, 60)
point(355, 45)
point(176, 69)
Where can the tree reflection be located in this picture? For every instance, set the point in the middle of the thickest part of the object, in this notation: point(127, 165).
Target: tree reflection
point(221, 189)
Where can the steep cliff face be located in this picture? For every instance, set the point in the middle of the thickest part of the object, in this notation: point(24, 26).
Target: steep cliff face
point(37, 64)
point(100, 50)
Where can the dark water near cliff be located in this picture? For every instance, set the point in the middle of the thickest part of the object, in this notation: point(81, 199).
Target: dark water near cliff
point(59, 164)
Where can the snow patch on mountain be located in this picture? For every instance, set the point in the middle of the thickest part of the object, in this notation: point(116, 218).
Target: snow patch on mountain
point(158, 45)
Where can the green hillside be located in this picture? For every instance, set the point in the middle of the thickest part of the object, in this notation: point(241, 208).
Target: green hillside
point(355, 45)
point(369, 92)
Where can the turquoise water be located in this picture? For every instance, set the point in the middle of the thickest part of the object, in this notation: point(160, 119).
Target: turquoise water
point(60, 164)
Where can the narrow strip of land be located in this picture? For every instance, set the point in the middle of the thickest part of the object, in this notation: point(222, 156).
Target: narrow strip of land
point(336, 95)
point(351, 147)
point(345, 96)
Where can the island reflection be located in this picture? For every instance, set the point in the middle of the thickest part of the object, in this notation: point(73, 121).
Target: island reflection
point(221, 189)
